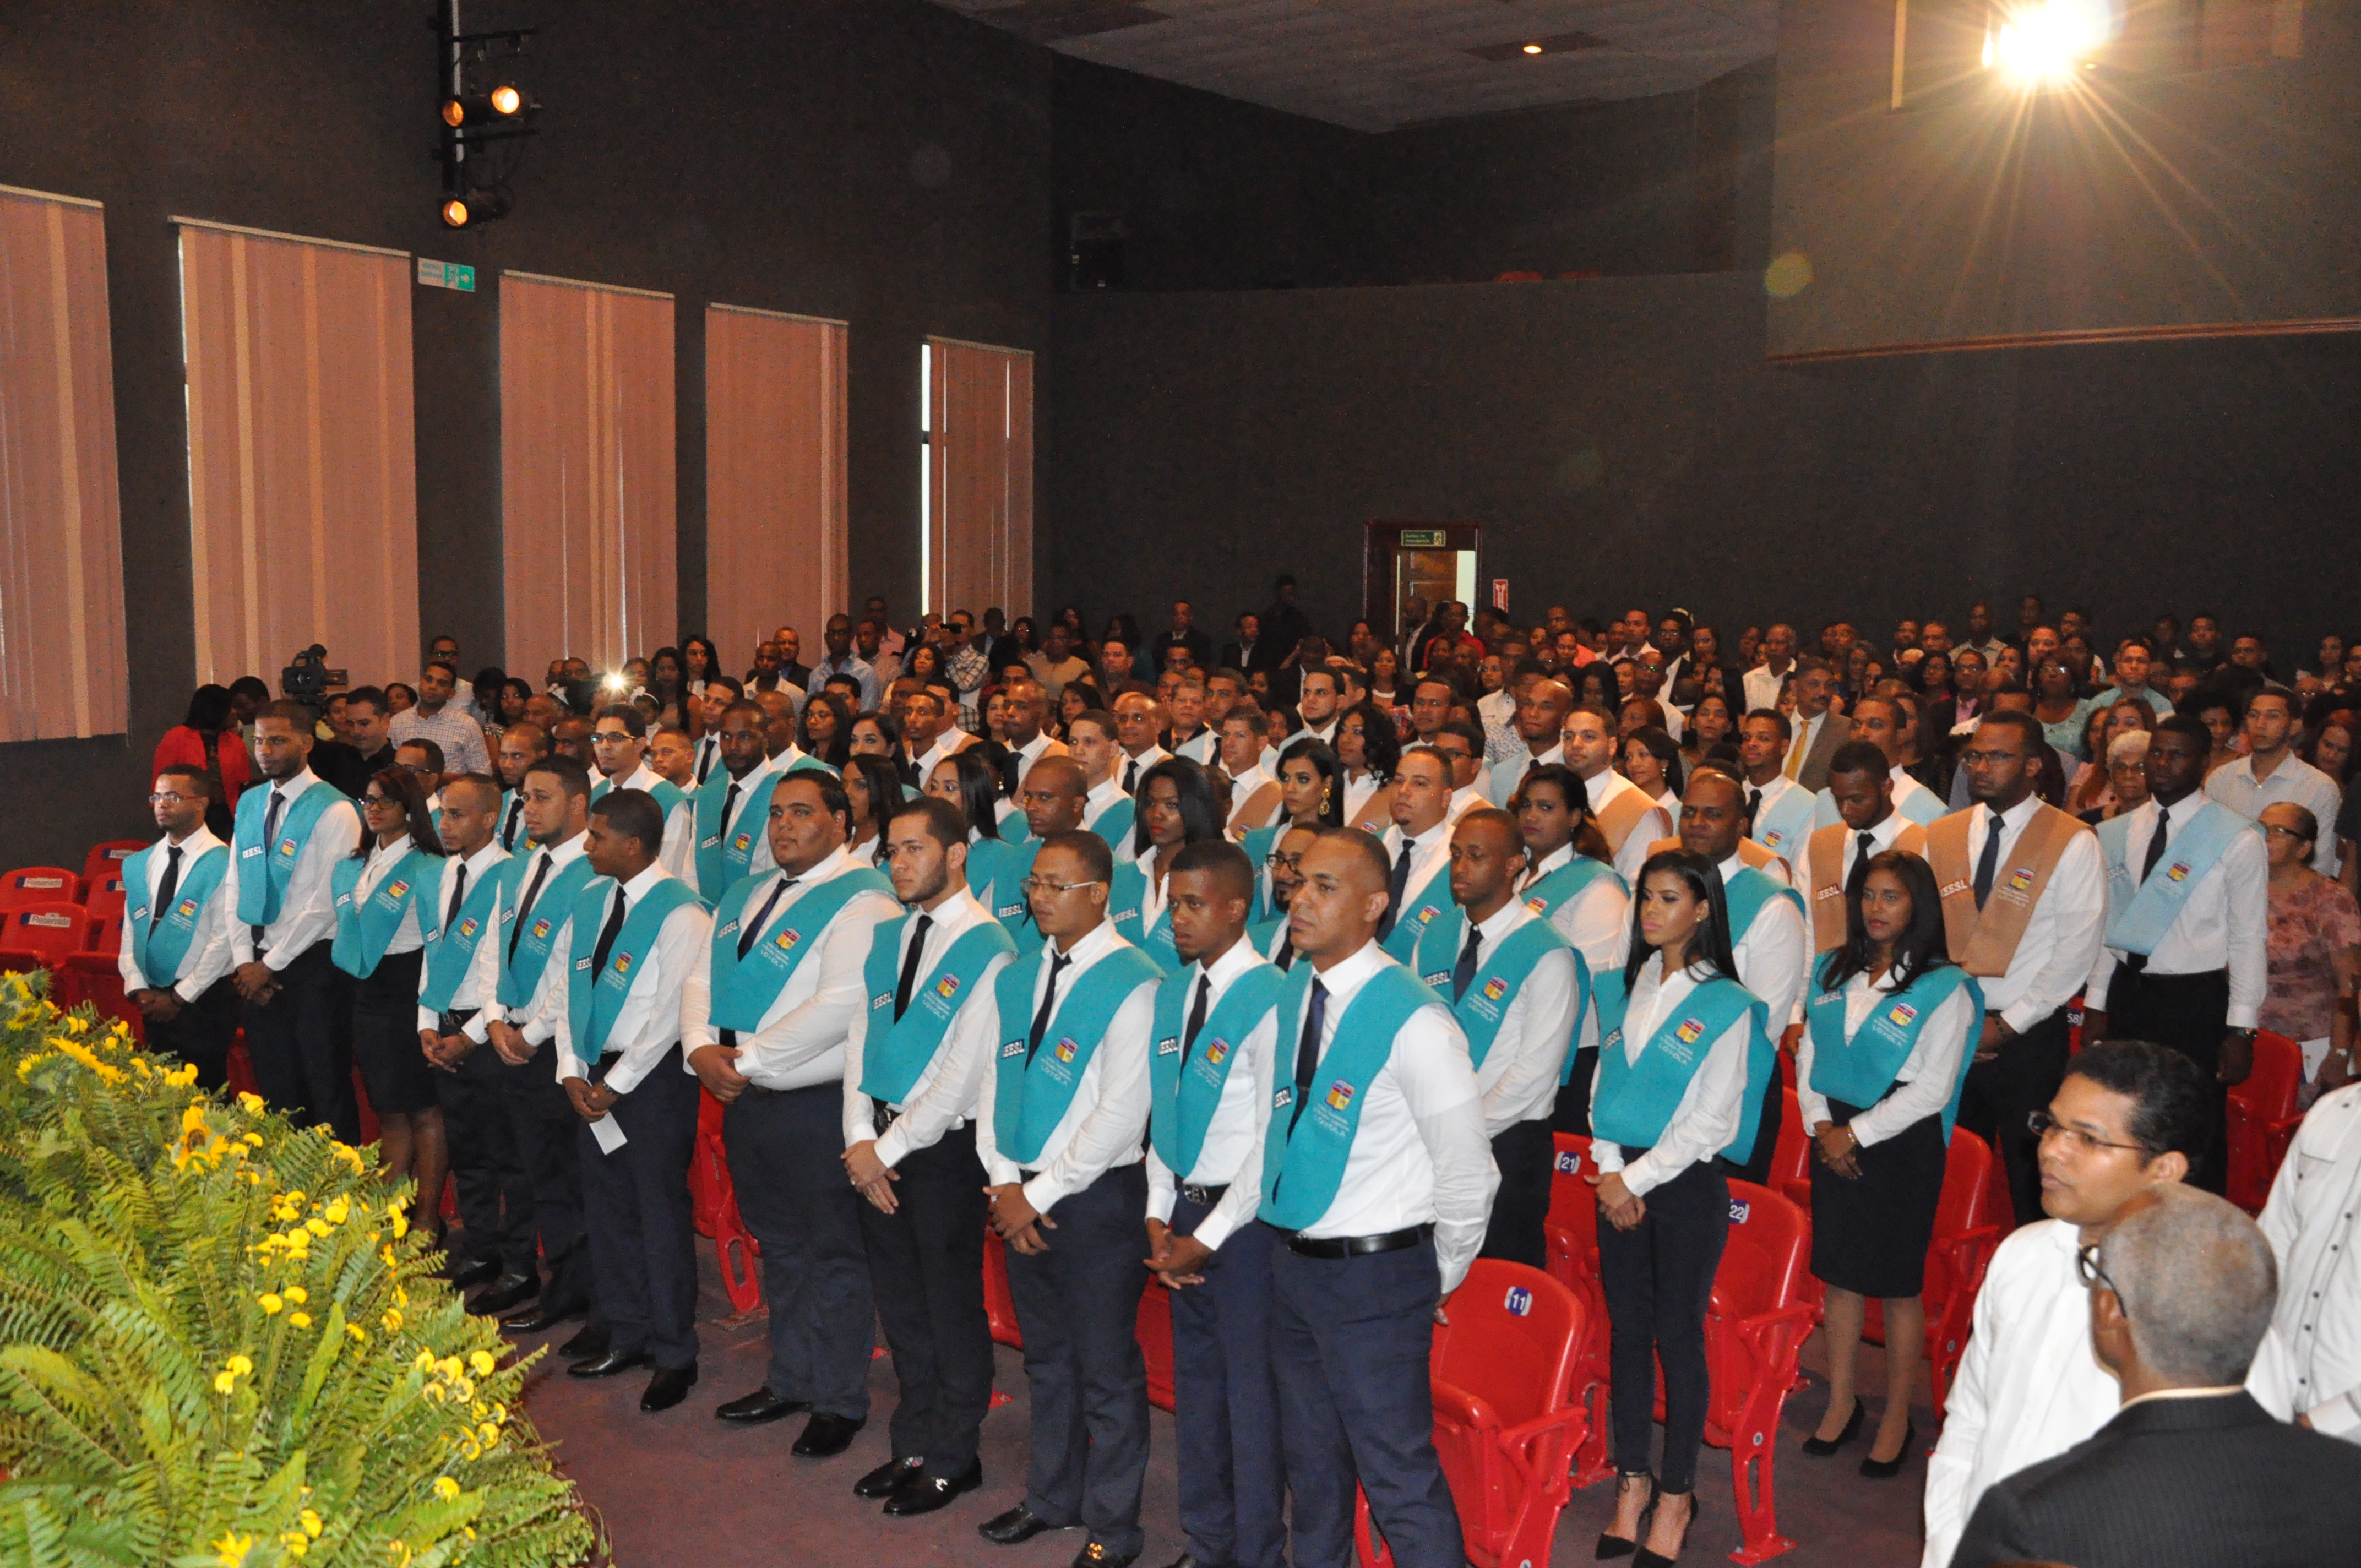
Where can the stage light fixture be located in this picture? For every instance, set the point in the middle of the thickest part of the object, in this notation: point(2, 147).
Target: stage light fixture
point(1533, 49)
point(477, 108)
point(476, 208)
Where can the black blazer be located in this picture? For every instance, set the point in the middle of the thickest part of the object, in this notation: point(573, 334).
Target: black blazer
point(2200, 1483)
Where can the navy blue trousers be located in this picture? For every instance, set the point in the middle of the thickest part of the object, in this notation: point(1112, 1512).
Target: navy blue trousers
point(784, 1165)
point(642, 1232)
point(1225, 1400)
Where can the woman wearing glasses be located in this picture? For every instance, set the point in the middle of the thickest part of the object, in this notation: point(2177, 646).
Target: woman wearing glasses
point(1176, 810)
point(1682, 1060)
point(381, 919)
point(1570, 881)
point(1879, 1073)
point(2313, 952)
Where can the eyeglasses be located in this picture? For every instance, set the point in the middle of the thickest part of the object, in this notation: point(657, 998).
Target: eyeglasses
point(610, 737)
point(379, 802)
point(1279, 862)
point(1982, 758)
point(2086, 1265)
point(1043, 885)
point(2041, 1123)
point(166, 797)
point(2269, 828)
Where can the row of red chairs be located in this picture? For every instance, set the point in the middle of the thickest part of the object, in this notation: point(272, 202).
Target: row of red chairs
point(61, 884)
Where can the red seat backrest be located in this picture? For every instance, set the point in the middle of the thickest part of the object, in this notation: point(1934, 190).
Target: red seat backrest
point(1768, 1259)
point(1967, 1198)
point(1510, 1340)
point(40, 884)
point(1791, 1157)
point(105, 898)
point(94, 978)
point(52, 930)
point(1574, 1202)
point(2269, 1094)
point(106, 860)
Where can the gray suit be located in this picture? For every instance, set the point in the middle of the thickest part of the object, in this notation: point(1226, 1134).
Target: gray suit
point(1834, 732)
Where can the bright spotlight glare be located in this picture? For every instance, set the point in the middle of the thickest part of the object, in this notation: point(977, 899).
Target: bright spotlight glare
point(2041, 44)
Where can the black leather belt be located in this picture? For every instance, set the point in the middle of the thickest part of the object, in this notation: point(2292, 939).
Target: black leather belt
point(456, 1018)
point(1302, 1245)
point(1208, 1196)
point(882, 1117)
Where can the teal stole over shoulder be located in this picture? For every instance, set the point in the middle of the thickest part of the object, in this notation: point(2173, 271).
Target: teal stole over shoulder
point(1785, 825)
point(808, 763)
point(1258, 845)
point(894, 1051)
point(1264, 936)
point(365, 926)
point(160, 953)
point(1746, 892)
point(1032, 1088)
point(1634, 1102)
point(992, 874)
point(668, 794)
point(1305, 1148)
point(259, 896)
point(1422, 906)
point(1501, 970)
point(1127, 901)
point(1114, 825)
point(743, 989)
point(1861, 1070)
point(2139, 914)
point(450, 951)
point(524, 955)
point(1568, 883)
point(1187, 1091)
point(725, 850)
point(594, 1001)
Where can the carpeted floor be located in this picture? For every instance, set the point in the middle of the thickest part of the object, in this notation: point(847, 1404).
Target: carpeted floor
point(680, 1490)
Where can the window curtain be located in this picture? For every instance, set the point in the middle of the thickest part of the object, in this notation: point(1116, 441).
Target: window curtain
point(774, 486)
point(302, 458)
point(980, 479)
point(588, 502)
point(62, 671)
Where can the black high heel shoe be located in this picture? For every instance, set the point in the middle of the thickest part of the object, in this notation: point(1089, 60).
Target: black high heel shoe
point(1888, 1469)
point(1612, 1546)
point(1647, 1559)
point(1820, 1448)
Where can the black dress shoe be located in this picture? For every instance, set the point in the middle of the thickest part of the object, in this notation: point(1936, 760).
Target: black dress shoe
point(505, 1295)
point(1888, 1469)
point(543, 1316)
point(610, 1363)
point(1095, 1554)
point(827, 1436)
point(468, 1276)
point(888, 1478)
point(761, 1405)
point(587, 1345)
point(1020, 1523)
point(922, 1494)
point(1821, 1447)
point(668, 1387)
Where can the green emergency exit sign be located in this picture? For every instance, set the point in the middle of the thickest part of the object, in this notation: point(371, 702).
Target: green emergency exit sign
point(1425, 539)
point(447, 275)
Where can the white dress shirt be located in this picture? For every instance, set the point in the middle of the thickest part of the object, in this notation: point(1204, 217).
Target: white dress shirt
point(1126, 765)
point(481, 983)
point(1706, 1121)
point(1106, 1121)
point(1602, 791)
point(1231, 1155)
point(2312, 1361)
point(679, 847)
point(1519, 1077)
point(1771, 951)
point(531, 1020)
point(1242, 793)
point(2294, 780)
point(1199, 748)
point(1359, 790)
point(649, 1022)
point(1151, 892)
point(2223, 922)
point(708, 757)
point(950, 743)
point(382, 859)
point(1097, 804)
point(1464, 801)
point(2029, 1386)
point(1927, 1075)
point(1430, 857)
point(1507, 776)
point(1761, 686)
point(800, 1041)
point(1420, 1153)
point(942, 1098)
point(2061, 940)
point(208, 956)
point(307, 915)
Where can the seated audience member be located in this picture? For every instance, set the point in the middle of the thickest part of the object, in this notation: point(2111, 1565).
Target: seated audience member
point(2314, 952)
point(2127, 777)
point(2191, 1473)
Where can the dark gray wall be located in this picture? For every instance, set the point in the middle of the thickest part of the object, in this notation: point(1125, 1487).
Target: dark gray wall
point(759, 154)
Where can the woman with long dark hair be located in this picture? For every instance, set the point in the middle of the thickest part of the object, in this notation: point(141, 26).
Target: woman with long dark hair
point(1311, 794)
point(824, 729)
point(1570, 881)
point(969, 782)
point(874, 789)
point(384, 894)
point(1878, 1073)
point(1652, 761)
point(1177, 808)
point(1369, 747)
point(207, 740)
point(698, 660)
point(1683, 1054)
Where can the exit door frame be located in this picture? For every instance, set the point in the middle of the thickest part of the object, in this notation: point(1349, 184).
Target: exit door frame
point(1382, 542)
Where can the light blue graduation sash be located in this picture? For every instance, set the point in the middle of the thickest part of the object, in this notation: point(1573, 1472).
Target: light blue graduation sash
point(1423, 905)
point(450, 951)
point(1858, 1071)
point(743, 989)
point(1303, 1157)
point(1746, 894)
point(1501, 970)
point(365, 926)
point(1568, 883)
point(1634, 1102)
point(259, 896)
point(2139, 914)
point(992, 875)
point(521, 967)
point(1032, 1088)
point(808, 763)
point(593, 1002)
point(1127, 896)
point(1784, 826)
point(1258, 845)
point(1263, 935)
point(1187, 1094)
point(894, 1051)
point(1010, 905)
point(1115, 826)
point(163, 953)
point(725, 850)
point(666, 793)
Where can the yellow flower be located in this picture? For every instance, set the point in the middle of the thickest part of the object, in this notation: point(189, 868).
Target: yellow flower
point(298, 1295)
point(360, 1334)
point(446, 1487)
point(316, 1226)
point(387, 1253)
point(310, 1520)
point(470, 1449)
point(488, 1433)
point(400, 1551)
point(225, 1383)
point(481, 1360)
point(255, 1140)
point(425, 1361)
point(300, 1319)
point(296, 1542)
point(337, 1209)
point(248, 1102)
point(351, 1156)
point(401, 1297)
point(240, 1365)
point(233, 1548)
point(392, 1321)
point(270, 1304)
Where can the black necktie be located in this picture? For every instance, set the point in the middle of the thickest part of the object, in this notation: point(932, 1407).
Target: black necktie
point(1131, 776)
point(1196, 1016)
point(1753, 805)
point(1286, 960)
point(1988, 863)
point(607, 935)
point(1397, 892)
point(508, 829)
point(910, 966)
point(752, 928)
point(705, 751)
point(1058, 962)
point(1864, 846)
point(729, 804)
point(1307, 1050)
point(269, 837)
point(531, 892)
point(1462, 973)
point(458, 895)
point(165, 889)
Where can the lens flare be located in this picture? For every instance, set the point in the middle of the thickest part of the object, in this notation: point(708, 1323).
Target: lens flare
point(2042, 44)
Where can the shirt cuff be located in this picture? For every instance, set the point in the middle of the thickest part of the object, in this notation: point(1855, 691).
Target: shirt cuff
point(1213, 1230)
point(2244, 1017)
point(2020, 1016)
point(182, 991)
point(278, 958)
point(2094, 995)
point(1043, 1193)
point(2340, 1417)
point(891, 1146)
point(1641, 1177)
point(479, 1027)
point(1161, 1200)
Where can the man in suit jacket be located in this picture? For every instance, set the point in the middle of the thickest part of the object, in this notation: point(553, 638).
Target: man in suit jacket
point(2191, 1473)
point(1252, 650)
point(1819, 727)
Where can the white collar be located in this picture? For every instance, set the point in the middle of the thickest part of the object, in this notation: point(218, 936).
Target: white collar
point(393, 851)
point(1501, 922)
point(955, 914)
point(1107, 793)
point(640, 886)
point(483, 860)
point(1102, 939)
point(192, 847)
point(1350, 974)
point(289, 788)
point(1240, 957)
point(561, 855)
point(839, 861)
point(1732, 866)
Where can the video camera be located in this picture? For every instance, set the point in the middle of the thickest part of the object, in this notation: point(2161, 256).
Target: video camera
point(306, 676)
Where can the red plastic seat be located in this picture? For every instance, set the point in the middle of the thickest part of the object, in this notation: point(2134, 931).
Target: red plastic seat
point(1960, 1251)
point(1754, 1332)
point(40, 884)
point(713, 1203)
point(106, 934)
point(999, 1306)
point(2265, 1099)
point(1154, 1331)
point(106, 860)
point(55, 931)
point(1571, 1231)
point(94, 978)
point(103, 897)
point(1791, 1156)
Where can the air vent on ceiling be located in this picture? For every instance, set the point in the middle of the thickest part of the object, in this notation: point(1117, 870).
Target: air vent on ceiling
point(1524, 48)
point(1046, 21)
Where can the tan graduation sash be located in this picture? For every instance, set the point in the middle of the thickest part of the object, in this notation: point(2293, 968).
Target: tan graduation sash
point(1824, 879)
point(1749, 851)
point(1622, 815)
point(1982, 942)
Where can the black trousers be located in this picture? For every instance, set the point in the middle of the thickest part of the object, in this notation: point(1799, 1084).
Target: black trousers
point(785, 1149)
point(642, 1232)
point(1225, 1401)
point(2188, 1013)
point(1658, 1279)
point(1572, 1112)
point(926, 1269)
point(496, 1204)
point(1526, 1156)
point(301, 1045)
point(542, 1126)
point(202, 1033)
point(2001, 1094)
point(1078, 1307)
point(1756, 1167)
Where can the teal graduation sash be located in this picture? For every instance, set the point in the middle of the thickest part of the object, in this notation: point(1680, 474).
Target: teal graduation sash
point(1746, 892)
point(1861, 1070)
point(1785, 825)
point(1568, 883)
point(1115, 826)
point(1032, 1088)
point(2139, 914)
point(594, 1001)
point(365, 926)
point(1634, 1102)
point(1127, 896)
point(1501, 970)
point(894, 1051)
point(163, 953)
point(668, 794)
point(259, 896)
point(1264, 935)
point(522, 965)
point(743, 989)
point(507, 841)
point(1258, 845)
point(808, 763)
point(1423, 905)
point(1304, 1155)
point(725, 850)
point(450, 951)
point(992, 874)
point(1186, 1095)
